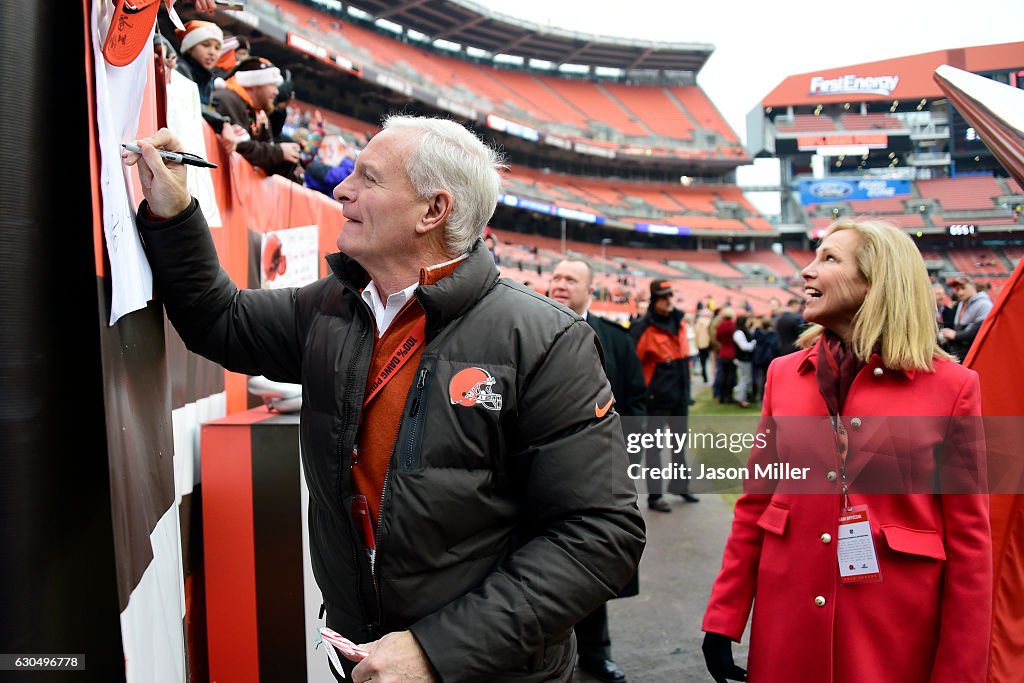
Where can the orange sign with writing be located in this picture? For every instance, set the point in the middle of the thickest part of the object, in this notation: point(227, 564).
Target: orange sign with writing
point(869, 140)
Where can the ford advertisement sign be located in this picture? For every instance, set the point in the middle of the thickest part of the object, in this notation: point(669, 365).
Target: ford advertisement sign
point(850, 189)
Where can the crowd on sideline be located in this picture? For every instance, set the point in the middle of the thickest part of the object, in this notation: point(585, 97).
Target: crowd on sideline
point(729, 347)
point(251, 105)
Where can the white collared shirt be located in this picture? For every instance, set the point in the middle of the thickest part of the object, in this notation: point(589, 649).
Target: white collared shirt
point(384, 313)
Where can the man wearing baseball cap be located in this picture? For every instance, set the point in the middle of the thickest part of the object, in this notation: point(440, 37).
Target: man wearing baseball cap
point(971, 309)
point(664, 352)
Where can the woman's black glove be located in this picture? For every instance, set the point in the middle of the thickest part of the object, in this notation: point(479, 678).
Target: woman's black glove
point(718, 658)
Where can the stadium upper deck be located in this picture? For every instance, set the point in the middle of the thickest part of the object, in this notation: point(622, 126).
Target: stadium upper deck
point(599, 98)
point(879, 115)
point(880, 138)
point(633, 221)
point(471, 24)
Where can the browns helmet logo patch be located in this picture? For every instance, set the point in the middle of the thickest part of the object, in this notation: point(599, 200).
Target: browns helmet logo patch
point(474, 387)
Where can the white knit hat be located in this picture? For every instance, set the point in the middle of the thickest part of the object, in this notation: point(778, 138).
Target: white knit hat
point(196, 32)
point(252, 72)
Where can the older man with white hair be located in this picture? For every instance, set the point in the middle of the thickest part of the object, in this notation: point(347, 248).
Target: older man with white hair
point(469, 499)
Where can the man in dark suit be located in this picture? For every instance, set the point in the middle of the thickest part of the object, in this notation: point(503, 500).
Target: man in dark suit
point(789, 325)
point(572, 285)
point(945, 315)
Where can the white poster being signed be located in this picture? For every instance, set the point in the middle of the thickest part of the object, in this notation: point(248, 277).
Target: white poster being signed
point(119, 92)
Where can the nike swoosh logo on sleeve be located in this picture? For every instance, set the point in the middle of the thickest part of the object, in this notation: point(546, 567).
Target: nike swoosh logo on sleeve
point(601, 411)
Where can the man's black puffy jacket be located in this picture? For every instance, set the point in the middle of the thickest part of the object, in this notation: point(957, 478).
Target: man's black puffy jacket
point(499, 528)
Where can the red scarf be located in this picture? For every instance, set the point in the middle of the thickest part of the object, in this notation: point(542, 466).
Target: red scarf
point(837, 368)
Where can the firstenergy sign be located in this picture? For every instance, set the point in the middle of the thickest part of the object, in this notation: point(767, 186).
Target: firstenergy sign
point(854, 85)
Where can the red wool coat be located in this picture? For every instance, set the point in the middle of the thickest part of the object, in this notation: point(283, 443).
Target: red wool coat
point(928, 620)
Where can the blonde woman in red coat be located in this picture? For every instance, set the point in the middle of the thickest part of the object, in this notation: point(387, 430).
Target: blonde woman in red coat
point(872, 405)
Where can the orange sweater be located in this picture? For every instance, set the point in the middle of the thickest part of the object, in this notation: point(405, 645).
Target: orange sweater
point(378, 427)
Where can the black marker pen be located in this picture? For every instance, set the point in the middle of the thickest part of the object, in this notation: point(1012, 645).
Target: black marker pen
point(176, 157)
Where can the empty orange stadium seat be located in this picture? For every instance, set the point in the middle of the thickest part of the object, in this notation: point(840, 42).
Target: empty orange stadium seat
point(805, 123)
point(703, 111)
point(655, 107)
point(962, 193)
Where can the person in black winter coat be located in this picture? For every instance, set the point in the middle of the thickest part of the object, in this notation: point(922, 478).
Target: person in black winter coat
point(469, 506)
point(765, 352)
point(572, 285)
point(789, 325)
point(944, 313)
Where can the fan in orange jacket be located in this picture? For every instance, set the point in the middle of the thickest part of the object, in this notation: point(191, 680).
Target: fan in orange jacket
point(664, 353)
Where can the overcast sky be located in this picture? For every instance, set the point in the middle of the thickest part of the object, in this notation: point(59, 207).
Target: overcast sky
point(758, 44)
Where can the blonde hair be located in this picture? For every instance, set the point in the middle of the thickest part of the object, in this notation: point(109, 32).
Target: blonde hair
point(898, 313)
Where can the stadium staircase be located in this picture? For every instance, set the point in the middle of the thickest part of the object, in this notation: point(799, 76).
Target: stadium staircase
point(678, 104)
point(1009, 263)
point(608, 92)
point(797, 267)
